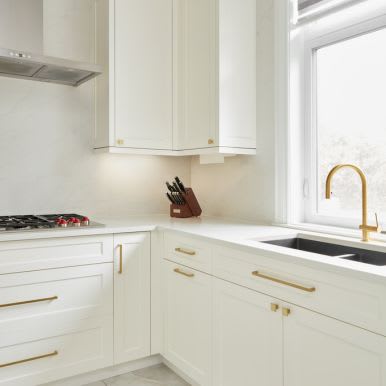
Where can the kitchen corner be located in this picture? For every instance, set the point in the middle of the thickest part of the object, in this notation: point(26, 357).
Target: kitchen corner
point(148, 150)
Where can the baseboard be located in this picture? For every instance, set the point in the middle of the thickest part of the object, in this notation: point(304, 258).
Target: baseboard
point(179, 372)
point(108, 372)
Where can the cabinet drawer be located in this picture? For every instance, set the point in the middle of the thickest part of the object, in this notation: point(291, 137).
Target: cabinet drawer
point(62, 352)
point(41, 297)
point(189, 252)
point(345, 298)
point(30, 255)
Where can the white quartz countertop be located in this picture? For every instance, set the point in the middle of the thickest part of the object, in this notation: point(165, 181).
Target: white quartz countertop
point(227, 232)
point(213, 228)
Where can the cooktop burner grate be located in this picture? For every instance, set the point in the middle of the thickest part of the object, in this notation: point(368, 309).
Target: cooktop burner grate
point(46, 221)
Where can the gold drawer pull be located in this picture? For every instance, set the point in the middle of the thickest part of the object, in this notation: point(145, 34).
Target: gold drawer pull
point(177, 270)
point(120, 246)
point(185, 251)
point(28, 302)
point(30, 359)
point(293, 285)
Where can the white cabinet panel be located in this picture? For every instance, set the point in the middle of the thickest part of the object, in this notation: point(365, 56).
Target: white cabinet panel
point(57, 350)
point(31, 255)
point(143, 73)
point(131, 297)
point(188, 321)
point(237, 73)
point(39, 298)
point(195, 61)
point(321, 351)
point(247, 337)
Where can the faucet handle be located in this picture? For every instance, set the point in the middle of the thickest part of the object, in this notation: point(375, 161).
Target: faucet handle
point(378, 228)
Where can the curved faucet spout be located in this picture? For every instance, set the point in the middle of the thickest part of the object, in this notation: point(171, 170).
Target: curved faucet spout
point(366, 229)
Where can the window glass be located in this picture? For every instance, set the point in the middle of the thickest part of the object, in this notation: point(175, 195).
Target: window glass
point(351, 122)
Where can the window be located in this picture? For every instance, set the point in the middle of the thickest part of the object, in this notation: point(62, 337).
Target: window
point(343, 103)
point(350, 112)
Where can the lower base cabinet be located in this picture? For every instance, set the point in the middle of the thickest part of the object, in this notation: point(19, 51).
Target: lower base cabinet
point(188, 321)
point(131, 296)
point(247, 337)
point(321, 351)
point(259, 340)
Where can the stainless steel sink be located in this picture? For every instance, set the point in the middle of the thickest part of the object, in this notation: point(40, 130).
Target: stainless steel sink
point(343, 252)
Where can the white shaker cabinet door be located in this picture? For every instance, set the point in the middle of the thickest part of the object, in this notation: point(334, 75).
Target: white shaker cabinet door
point(131, 297)
point(321, 351)
point(247, 337)
point(188, 321)
point(143, 74)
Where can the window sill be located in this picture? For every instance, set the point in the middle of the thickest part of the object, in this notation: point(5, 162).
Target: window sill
point(333, 231)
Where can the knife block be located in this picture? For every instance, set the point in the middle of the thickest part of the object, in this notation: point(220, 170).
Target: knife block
point(191, 208)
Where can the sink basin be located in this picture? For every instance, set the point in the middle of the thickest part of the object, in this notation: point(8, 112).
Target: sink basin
point(343, 252)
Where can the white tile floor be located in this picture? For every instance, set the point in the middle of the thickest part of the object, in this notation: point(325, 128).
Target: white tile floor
point(158, 375)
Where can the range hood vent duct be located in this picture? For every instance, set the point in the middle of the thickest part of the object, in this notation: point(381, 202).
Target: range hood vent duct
point(26, 65)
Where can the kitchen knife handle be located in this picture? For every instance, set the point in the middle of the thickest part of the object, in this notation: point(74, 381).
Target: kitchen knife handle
point(180, 184)
point(170, 198)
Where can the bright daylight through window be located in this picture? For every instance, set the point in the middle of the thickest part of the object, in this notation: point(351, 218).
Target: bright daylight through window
point(350, 119)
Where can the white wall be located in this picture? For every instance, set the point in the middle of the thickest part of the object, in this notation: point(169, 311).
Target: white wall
point(46, 132)
point(243, 187)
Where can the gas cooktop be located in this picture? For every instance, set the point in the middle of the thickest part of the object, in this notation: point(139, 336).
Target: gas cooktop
point(45, 221)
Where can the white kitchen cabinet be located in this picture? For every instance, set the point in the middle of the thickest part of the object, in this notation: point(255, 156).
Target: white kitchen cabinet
point(131, 296)
point(55, 323)
point(179, 77)
point(188, 321)
point(215, 72)
point(321, 351)
point(247, 337)
point(134, 94)
point(258, 339)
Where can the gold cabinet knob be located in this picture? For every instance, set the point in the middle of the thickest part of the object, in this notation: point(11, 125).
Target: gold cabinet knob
point(120, 141)
point(210, 141)
point(285, 311)
point(274, 307)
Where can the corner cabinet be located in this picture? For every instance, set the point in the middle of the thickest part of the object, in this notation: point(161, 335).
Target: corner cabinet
point(131, 296)
point(179, 77)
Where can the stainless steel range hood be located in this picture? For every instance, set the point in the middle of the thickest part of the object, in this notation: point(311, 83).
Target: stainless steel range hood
point(26, 65)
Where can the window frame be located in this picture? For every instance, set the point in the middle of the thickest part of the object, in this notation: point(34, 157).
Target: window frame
point(312, 43)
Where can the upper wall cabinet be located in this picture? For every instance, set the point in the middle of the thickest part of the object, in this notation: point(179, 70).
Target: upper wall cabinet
point(180, 77)
point(134, 104)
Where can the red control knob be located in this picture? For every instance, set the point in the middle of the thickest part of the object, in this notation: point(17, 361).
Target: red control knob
point(85, 221)
point(62, 222)
point(76, 222)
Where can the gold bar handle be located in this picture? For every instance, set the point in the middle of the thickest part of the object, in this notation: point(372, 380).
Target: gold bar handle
point(177, 270)
point(120, 246)
point(287, 283)
point(185, 251)
point(29, 302)
point(29, 359)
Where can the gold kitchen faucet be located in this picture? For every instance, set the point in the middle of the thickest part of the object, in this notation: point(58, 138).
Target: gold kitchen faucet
point(366, 229)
